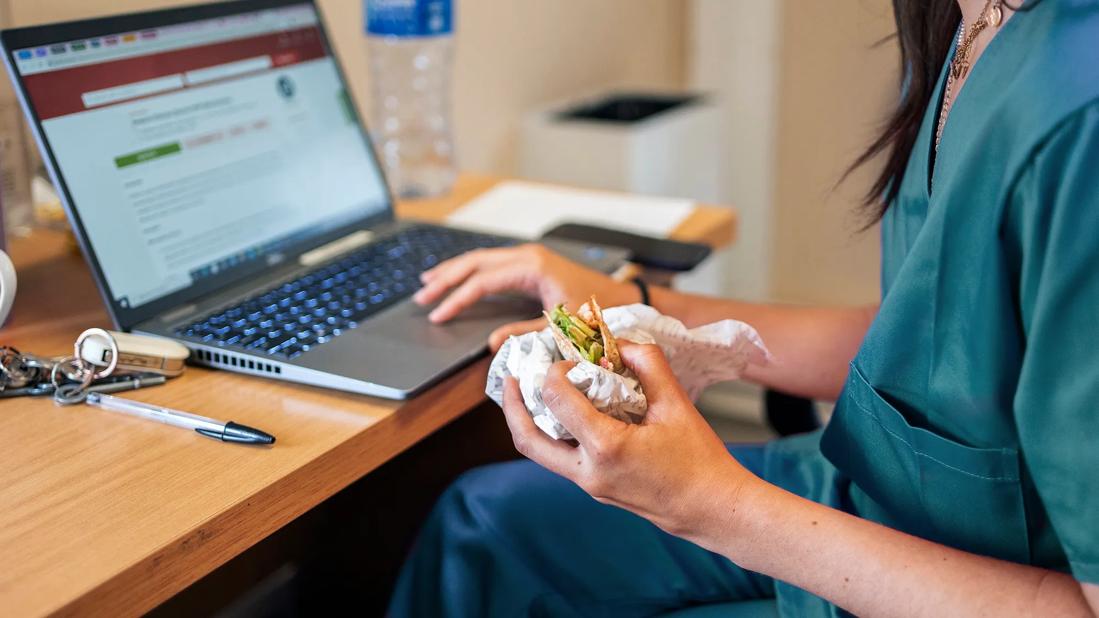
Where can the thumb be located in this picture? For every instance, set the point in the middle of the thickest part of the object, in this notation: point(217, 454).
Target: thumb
point(653, 371)
point(500, 335)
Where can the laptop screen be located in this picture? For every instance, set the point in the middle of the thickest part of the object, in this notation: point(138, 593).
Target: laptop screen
point(196, 149)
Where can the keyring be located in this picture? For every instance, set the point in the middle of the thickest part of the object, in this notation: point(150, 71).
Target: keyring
point(111, 343)
point(14, 369)
point(81, 375)
point(37, 362)
point(70, 394)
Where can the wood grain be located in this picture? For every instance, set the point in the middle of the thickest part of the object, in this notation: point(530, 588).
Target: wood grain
point(102, 514)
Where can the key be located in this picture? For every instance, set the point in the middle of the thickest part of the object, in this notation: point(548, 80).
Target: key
point(19, 370)
point(135, 352)
point(74, 393)
point(45, 387)
point(31, 390)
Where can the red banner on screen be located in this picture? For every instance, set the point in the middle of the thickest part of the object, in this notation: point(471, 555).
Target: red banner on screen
point(58, 93)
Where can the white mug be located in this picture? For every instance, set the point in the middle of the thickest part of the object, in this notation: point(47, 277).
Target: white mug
point(7, 286)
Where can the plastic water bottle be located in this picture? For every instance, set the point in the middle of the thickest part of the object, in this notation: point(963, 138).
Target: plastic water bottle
point(411, 44)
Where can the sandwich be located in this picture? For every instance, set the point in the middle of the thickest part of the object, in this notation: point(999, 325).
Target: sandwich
point(585, 336)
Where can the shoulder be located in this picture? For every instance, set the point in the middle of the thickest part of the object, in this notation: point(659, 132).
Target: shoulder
point(1055, 72)
point(1054, 199)
point(1047, 102)
point(1067, 150)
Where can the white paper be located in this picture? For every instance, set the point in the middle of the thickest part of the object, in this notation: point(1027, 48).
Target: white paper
point(698, 357)
point(527, 210)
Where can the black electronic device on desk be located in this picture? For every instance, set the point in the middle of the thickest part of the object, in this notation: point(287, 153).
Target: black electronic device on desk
point(659, 253)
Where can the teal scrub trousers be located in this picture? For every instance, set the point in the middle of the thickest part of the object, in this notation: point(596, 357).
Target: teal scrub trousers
point(514, 539)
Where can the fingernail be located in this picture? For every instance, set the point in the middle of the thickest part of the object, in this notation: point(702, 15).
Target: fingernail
point(435, 316)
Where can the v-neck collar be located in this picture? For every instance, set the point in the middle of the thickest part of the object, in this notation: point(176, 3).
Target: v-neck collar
point(931, 156)
point(934, 157)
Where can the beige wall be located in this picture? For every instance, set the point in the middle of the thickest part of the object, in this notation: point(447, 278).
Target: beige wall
point(733, 55)
point(511, 55)
point(834, 88)
point(803, 86)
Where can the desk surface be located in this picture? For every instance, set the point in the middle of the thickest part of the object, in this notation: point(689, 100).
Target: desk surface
point(110, 515)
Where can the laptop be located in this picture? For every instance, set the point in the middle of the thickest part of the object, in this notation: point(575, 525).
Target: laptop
point(225, 194)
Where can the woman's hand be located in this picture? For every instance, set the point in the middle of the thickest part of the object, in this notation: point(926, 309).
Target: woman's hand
point(528, 269)
point(672, 469)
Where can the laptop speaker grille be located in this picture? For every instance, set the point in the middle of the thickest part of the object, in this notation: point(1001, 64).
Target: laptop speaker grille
point(225, 359)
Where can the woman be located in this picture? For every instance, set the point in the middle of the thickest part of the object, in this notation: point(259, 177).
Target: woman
point(960, 471)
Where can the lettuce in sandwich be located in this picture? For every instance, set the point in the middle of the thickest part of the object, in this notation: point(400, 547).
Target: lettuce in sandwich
point(585, 336)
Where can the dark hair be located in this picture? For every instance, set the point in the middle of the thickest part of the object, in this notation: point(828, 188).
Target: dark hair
point(925, 31)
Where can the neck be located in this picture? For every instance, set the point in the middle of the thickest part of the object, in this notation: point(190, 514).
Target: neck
point(971, 10)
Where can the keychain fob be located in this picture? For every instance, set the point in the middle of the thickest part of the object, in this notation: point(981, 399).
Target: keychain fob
point(137, 353)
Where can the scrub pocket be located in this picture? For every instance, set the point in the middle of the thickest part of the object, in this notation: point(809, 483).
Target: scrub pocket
point(917, 481)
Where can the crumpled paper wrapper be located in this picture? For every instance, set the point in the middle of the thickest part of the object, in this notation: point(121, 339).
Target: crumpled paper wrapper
point(699, 357)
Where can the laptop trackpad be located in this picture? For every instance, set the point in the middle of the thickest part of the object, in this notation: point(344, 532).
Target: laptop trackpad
point(407, 323)
point(400, 349)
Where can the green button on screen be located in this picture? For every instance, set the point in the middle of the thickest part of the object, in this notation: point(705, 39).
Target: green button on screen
point(147, 155)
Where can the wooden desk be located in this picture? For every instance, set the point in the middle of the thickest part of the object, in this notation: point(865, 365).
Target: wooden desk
point(108, 515)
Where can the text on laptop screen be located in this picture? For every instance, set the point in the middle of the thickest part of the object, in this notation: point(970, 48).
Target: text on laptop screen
point(191, 149)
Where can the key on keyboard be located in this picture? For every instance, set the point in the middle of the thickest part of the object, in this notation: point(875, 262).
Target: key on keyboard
point(289, 319)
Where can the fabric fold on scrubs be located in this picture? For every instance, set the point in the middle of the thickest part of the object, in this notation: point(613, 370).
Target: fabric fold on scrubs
point(1053, 232)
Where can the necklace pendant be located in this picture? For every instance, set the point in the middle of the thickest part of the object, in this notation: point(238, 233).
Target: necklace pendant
point(996, 15)
point(958, 70)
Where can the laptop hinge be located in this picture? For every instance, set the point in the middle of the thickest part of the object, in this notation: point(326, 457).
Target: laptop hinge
point(326, 252)
point(177, 314)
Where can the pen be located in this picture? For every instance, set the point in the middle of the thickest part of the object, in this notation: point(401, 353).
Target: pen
point(226, 432)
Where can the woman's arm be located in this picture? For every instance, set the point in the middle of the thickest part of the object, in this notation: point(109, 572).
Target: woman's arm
point(812, 346)
point(870, 569)
point(673, 470)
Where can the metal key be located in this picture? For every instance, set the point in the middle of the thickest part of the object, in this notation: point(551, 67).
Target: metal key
point(31, 390)
point(45, 387)
point(98, 356)
point(75, 392)
point(22, 371)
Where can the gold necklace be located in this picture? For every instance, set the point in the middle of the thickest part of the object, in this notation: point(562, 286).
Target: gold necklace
point(991, 15)
point(959, 67)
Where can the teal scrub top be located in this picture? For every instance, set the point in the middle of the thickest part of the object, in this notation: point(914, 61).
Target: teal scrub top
point(971, 412)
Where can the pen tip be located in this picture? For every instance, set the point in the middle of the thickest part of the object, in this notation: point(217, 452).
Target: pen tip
point(235, 432)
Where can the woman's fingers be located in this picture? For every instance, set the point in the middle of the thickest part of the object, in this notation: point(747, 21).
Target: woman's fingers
point(476, 287)
point(454, 271)
point(529, 439)
point(445, 276)
point(653, 371)
point(590, 427)
point(446, 268)
point(500, 335)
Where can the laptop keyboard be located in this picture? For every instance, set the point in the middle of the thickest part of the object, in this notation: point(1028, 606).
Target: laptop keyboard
point(290, 319)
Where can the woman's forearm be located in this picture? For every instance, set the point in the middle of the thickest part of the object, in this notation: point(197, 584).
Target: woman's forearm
point(870, 569)
point(812, 346)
